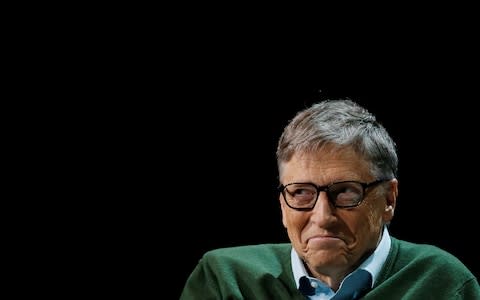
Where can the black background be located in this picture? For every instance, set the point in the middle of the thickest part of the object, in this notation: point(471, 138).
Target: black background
point(162, 133)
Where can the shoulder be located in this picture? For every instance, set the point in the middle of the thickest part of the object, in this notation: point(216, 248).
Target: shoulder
point(409, 250)
point(254, 256)
point(423, 271)
point(250, 252)
point(243, 272)
point(415, 255)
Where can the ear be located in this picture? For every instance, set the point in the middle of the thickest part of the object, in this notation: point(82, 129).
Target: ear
point(391, 200)
point(282, 206)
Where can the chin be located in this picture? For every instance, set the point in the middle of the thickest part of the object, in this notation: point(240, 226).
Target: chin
point(325, 258)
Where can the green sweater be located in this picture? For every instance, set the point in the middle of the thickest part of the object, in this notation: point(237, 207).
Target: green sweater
point(411, 271)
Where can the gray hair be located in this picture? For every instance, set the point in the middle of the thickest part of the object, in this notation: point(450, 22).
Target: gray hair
point(343, 124)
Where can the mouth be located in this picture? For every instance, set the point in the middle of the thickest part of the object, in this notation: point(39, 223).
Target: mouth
point(322, 237)
point(324, 241)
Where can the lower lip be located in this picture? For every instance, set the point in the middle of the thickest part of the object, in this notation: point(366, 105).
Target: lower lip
point(320, 242)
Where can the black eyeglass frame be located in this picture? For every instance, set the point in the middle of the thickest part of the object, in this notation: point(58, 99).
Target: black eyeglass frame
point(325, 188)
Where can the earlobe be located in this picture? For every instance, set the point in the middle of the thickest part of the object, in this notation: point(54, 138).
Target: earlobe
point(391, 201)
point(388, 214)
point(393, 194)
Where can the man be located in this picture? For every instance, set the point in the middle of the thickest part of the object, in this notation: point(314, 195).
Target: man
point(338, 191)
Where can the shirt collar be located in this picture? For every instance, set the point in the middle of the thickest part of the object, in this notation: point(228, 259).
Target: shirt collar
point(373, 264)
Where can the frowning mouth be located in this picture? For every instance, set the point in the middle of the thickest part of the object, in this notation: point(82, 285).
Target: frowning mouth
point(323, 237)
point(321, 241)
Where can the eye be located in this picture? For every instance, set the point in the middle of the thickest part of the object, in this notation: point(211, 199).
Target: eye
point(346, 193)
point(302, 193)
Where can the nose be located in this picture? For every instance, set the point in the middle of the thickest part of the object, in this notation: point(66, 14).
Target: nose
point(323, 211)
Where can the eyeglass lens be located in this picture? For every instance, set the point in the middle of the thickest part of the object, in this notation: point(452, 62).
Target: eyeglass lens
point(341, 194)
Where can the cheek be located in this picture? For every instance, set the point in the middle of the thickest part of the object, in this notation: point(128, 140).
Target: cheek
point(373, 218)
point(291, 221)
point(290, 217)
point(294, 222)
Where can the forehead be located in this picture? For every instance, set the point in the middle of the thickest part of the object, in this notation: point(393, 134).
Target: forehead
point(325, 166)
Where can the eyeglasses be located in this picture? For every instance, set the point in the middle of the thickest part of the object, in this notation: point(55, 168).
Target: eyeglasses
point(343, 194)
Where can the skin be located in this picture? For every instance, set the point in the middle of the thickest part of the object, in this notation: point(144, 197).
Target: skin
point(334, 241)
